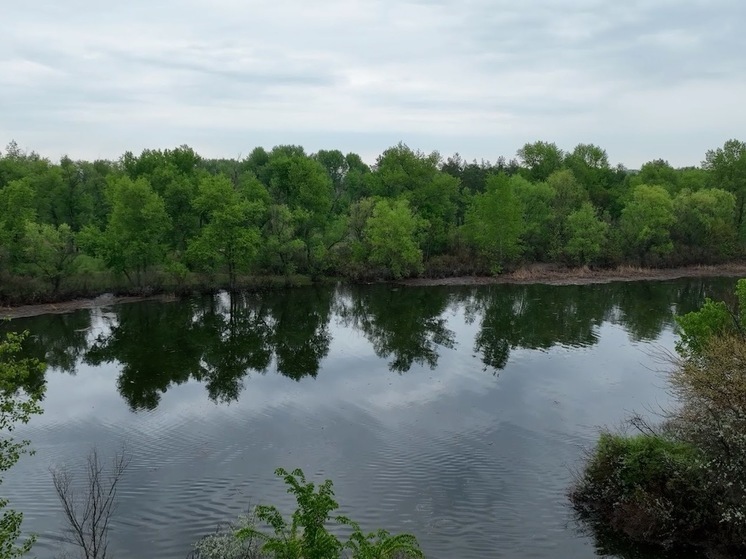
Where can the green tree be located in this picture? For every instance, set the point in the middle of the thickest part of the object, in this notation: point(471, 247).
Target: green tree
point(229, 237)
point(67, 193)
point(400, 169)
point(303, 186)
point(173, 175)
point(692, 178)
point(494, 223)
point(587, 162)
point(336, 166)
point(134, 238)
point(586, 235)
point(22, 388)
point(391, 233)
point(590, 165)
point(645, 224)
point(705, 228)
point(537, 201)
point(50, 251)
point(432, 194)
point(569, 196)
point(281, 247)
point(727, 167)
point(712, 319)
point(356, 181)
point(659, 173)
point(541, 159)
point(16, 209)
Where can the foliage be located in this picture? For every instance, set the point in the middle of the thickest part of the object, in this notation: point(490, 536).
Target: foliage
point(494, 223)
point(380, 544)
point(646, 486)
point(685, 482)
point(228, 237)
point(537, 203)
point(225, 544)
point(586, 235)
point(134, 238)
point(51, 251)
point(391, 233)
point(21, 391)
point(727, 167)
point(306, 535)
point(645, 224)
point(713, 319)
point(704, 223)
point(283, 211)
point(541, 159)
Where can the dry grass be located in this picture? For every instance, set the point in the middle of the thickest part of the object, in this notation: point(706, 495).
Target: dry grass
point(553, 274)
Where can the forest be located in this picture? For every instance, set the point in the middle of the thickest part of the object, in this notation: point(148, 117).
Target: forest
point(171, 219)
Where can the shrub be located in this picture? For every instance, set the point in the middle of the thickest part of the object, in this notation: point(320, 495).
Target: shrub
point(381, 544)
point(305, 534)
point(224, 543)
point(687, 483)
point(645, 486)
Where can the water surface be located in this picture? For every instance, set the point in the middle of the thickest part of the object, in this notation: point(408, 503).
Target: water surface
point(456, 414)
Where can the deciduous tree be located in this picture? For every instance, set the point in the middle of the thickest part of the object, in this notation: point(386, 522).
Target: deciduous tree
point(494, 223)
point(586, 235)
point(391, 232)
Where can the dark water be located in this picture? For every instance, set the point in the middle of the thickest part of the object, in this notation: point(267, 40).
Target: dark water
point(456, 414)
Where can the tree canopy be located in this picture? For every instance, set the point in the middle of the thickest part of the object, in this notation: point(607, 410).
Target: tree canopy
point(174, 215)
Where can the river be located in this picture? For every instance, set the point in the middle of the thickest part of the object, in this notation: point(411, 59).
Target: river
point(455, 413)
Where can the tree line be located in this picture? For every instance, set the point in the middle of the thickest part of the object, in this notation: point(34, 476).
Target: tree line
point(173, 216)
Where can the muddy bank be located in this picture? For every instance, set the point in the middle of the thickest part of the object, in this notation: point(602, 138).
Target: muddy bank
point(76, 304)
point(556, 275)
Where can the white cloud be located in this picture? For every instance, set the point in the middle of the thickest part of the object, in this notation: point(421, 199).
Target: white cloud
point(642, 79)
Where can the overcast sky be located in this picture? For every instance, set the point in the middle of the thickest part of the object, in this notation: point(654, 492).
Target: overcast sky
point(643, 79)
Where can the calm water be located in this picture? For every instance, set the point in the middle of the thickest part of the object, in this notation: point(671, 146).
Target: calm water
point(456, 414)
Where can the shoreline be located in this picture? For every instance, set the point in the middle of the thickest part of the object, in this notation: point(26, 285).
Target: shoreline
point(555, 275)
point(548, 274)
point(104, 300)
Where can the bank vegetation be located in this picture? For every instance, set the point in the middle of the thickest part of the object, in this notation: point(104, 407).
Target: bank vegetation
point(172, 220)
point(682, 483)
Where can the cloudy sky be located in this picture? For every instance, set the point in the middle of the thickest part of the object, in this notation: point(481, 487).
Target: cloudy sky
point(642, 78)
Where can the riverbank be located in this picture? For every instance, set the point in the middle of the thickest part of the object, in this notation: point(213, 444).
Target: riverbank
point(548, 274)
point(551, 274)
point(89, 298)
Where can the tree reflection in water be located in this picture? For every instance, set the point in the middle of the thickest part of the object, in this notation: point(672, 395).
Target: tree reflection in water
point(221, 339)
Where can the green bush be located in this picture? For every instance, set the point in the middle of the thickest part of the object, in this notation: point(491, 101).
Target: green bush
point(306, 535)
point(225, 544)
point(687, 483)
point(646, 486)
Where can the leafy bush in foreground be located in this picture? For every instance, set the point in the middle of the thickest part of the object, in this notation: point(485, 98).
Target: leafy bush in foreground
point(305, 535)
point(22, 388)
point(224, 544)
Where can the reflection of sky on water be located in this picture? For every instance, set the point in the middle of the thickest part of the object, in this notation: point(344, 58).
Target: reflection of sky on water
point(476, 462)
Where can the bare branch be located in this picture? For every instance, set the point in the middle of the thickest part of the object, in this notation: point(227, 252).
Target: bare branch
point(88, 513)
